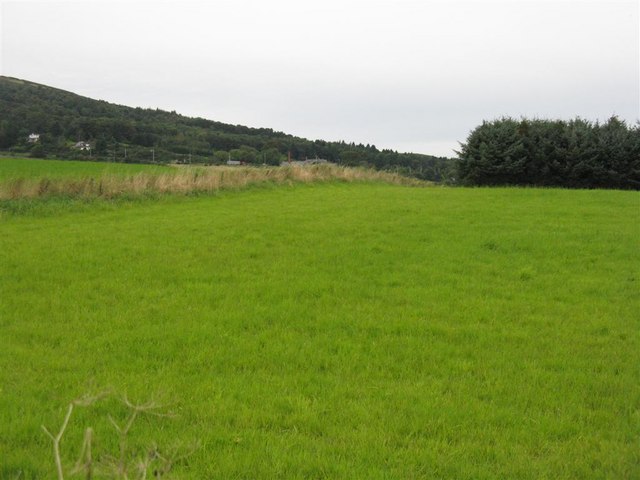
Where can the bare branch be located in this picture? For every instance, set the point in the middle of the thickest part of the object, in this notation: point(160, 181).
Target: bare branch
point(85, 460)
point(87, 400)
point(48, 433)
point(56, 441)
point(115, 425)
point(146, 408)
point(124, 464)
point(82, 401)
point(132, 418)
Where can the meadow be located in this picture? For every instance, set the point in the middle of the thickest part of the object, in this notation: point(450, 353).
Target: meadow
point(24, 180)
point(34, 168)
point(330, 330)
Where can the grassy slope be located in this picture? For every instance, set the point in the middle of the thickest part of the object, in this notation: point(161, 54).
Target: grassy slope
point(343, 331)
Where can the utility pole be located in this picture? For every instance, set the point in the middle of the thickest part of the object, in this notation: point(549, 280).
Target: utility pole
point(125, 154)
point(153, 156)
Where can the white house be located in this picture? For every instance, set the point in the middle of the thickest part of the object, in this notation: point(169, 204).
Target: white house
point(34, 137)
point(82, 146)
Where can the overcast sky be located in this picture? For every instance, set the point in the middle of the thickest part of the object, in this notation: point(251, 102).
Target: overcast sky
point(404, 74)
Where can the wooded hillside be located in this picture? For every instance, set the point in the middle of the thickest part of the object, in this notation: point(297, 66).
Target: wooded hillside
point(62, 119)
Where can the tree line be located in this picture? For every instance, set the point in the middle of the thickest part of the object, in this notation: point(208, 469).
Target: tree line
point(123, 133)
point(575, 154)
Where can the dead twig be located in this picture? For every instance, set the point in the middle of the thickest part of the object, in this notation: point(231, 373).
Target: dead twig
point(121, 465)
point(83, 402)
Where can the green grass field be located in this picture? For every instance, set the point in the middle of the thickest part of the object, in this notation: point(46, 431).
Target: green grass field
point(32, 168)
point(332, 331)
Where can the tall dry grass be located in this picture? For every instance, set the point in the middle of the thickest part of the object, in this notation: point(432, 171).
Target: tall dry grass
point(187, 180)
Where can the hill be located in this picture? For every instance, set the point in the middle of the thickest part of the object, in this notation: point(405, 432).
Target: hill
point(62, 119)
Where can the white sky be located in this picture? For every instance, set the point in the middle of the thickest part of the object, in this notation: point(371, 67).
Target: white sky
point(404, 74)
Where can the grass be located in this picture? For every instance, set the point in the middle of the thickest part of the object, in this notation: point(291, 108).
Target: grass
point(36, 169)
point(38, 184)
point(333, 331)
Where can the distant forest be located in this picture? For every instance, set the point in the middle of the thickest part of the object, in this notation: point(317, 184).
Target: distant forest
point(125, 134)
point(574, 154)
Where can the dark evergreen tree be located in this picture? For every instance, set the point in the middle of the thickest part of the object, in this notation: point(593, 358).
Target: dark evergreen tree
point(576, 154)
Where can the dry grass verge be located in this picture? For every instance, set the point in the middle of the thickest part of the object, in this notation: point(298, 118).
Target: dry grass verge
point(204, 179)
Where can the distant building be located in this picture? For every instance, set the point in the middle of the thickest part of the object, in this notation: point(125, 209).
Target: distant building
point(234, 162)
point(313, 161)
point(34, 137)
point(82, 146)
point(308, 161)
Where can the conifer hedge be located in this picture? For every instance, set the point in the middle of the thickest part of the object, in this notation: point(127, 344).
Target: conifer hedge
point(575, 154)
